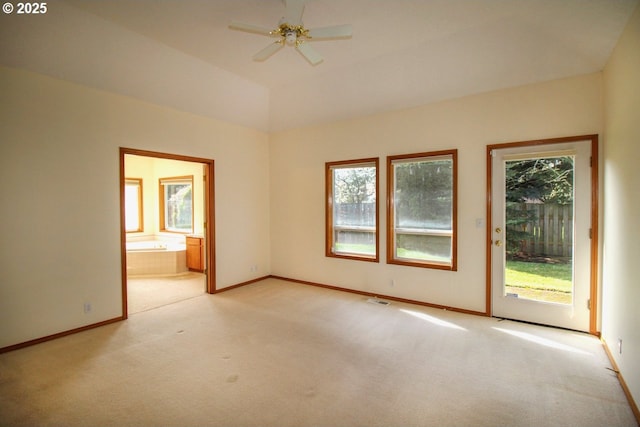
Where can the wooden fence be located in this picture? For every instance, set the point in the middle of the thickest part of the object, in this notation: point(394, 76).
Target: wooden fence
point(549, 232)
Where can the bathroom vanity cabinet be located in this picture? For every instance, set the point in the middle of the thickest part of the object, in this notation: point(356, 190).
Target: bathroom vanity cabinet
point(195, 253)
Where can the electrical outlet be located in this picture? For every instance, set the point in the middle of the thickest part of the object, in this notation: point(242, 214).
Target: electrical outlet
point(392, 283)
point(87, 308)
point(620, 345)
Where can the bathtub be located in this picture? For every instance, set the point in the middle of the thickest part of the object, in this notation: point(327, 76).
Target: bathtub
point(156, 257)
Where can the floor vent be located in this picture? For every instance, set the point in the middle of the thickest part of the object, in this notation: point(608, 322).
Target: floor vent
point(378, 301)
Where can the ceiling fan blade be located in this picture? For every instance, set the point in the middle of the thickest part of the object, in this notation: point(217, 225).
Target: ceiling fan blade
point(334, 32)
point(268, 51)
point(309, 53)
point(293, 15)
point(250, 28)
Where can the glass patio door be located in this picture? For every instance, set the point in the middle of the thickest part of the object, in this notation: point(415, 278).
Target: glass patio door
point(540, 236)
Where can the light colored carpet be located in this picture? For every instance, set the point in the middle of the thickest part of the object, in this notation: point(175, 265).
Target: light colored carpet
point(275, 353)
point(146, 293)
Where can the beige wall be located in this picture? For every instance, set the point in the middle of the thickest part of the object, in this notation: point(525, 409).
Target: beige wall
point(555, 109)
point(59, 215)
point(621, 251)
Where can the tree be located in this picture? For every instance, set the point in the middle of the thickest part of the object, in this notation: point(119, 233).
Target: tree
point(423, 193)
point(549, 180)
point(355, 195)
point(355, 185)
point(542, 180)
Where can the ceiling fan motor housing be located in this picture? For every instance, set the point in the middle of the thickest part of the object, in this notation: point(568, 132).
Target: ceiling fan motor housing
point(291, 37)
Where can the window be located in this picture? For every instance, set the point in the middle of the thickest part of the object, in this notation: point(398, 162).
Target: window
point(422, 210)
point(176, 204)
point(133, 205)
point(352, 209)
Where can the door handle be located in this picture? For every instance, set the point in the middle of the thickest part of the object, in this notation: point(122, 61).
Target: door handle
point(498, 243)
point(498, 230)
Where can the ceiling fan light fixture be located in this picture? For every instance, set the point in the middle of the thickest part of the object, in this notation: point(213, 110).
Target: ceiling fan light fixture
point(291, 37)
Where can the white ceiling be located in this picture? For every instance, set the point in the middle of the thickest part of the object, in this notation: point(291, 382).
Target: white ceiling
point(403, 53)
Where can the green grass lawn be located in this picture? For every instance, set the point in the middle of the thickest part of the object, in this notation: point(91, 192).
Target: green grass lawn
point(539, 281)
point(409, 254)
point(356, 248)
point(365, 249)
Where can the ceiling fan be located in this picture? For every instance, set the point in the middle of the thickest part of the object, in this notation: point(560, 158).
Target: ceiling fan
point(292, 32)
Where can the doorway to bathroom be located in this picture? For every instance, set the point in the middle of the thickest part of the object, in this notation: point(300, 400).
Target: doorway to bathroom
point(167, 228)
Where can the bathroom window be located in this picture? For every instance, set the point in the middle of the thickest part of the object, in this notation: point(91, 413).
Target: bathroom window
point(352, 209)
point(133, 205)
point(176, 204)
point(422, 209)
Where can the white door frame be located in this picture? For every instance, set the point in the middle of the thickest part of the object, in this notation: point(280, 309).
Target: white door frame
point(594, 246)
